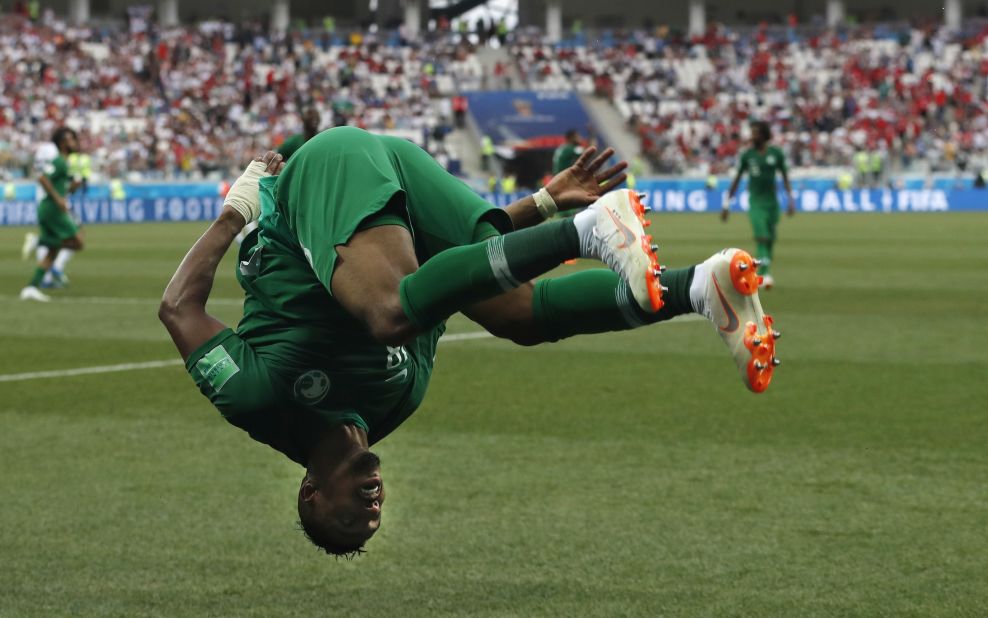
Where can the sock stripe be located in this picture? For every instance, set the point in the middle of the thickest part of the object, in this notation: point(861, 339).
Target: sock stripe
point(622, 295)
point(499, 264)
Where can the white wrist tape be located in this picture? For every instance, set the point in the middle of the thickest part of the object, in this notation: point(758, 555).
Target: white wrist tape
point(544, 203)
point(243, 196)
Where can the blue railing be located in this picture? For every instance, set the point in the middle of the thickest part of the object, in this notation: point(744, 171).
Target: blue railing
point(202, 201)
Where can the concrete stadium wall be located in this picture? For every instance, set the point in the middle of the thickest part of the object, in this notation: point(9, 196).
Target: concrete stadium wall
point(593, 13)
point(649, 12)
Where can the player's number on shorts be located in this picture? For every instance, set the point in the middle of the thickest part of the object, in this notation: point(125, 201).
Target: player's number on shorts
point(397, 357)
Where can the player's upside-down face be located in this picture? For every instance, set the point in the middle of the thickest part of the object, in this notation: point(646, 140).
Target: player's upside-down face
point(346, 505)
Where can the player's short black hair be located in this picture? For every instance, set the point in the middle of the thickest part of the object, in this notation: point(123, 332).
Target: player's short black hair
point(322, 538)
point(60, 134)
point(572, 133)
point(765, 128)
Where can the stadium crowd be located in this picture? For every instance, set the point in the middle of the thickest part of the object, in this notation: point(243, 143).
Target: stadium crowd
point(894, 98)
point(188, 101)
point(196, 99)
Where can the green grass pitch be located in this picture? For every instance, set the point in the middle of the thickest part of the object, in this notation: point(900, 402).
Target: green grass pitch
point(628, 474)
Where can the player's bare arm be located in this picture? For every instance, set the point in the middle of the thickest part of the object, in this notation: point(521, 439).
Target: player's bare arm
point(725, 211)
point(183, 306)
point(790, 200)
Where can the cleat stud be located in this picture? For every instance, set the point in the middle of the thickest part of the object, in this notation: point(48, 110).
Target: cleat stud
point(756, 341)
point(663, 288)
point(756, 262)
point(642, 196)
point(759, 366)
point(655, 248)
point(776, 362)
point(742, 266)
point(646, 223)
point(776, 334)
point(662, 269)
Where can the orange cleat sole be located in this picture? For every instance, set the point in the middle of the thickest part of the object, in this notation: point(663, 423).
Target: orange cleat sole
point(760, 342)
point(654, 274)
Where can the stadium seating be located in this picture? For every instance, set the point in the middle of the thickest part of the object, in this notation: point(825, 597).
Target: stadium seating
point(194, 100)
point(912, 96)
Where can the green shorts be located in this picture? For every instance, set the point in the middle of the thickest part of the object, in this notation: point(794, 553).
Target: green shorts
point(56, 225)
point(288, 415)
point(340, 180)
point(299, 363)
point(764, 221)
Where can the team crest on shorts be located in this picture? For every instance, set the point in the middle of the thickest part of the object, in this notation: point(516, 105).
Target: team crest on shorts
point(312, 386)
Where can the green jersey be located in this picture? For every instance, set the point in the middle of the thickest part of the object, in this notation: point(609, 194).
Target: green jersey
point(58, 175)
point(299, 364)
point(290, 145)
point(56, 225)
point(565, 156)
point(761, 169)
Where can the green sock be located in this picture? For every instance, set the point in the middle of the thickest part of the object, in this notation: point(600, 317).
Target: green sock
point(39, 276)
point(598, 301)
point(462, 276)
point(764, 253)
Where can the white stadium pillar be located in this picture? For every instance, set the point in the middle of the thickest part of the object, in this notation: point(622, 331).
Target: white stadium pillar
point(835, 13)
point(79, 11)
point(280, 15)
point(698, 18)
point(554, 20)
point(168, 13)
point(953, 12)
point(413, 19)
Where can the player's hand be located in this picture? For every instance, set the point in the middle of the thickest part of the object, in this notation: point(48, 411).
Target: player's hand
point(791, 206)
point(725, 208)
point(274, 162)
point(583, 183)
point(244, 196)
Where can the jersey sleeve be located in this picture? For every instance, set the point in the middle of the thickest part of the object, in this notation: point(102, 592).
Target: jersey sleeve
point(783, 167)
point(237, 382)
point(231, 375)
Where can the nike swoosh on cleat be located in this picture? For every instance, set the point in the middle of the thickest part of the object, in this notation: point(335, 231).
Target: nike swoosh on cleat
point(629, 236)
point(732, 317)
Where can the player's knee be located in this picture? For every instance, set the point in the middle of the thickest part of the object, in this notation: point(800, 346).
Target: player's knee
point(389, 325)
point(517, 333)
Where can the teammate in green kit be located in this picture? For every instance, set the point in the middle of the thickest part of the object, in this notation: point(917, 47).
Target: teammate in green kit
point(59, 232)
point(568, 152)
point(762, 162)
point(365, 247)
point(310, 126)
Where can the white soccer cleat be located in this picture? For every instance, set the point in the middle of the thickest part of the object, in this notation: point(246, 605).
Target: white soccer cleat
point(623, 245)
point(33, 293)
point(730, 301)
point(29, 246)
point(768, 282)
